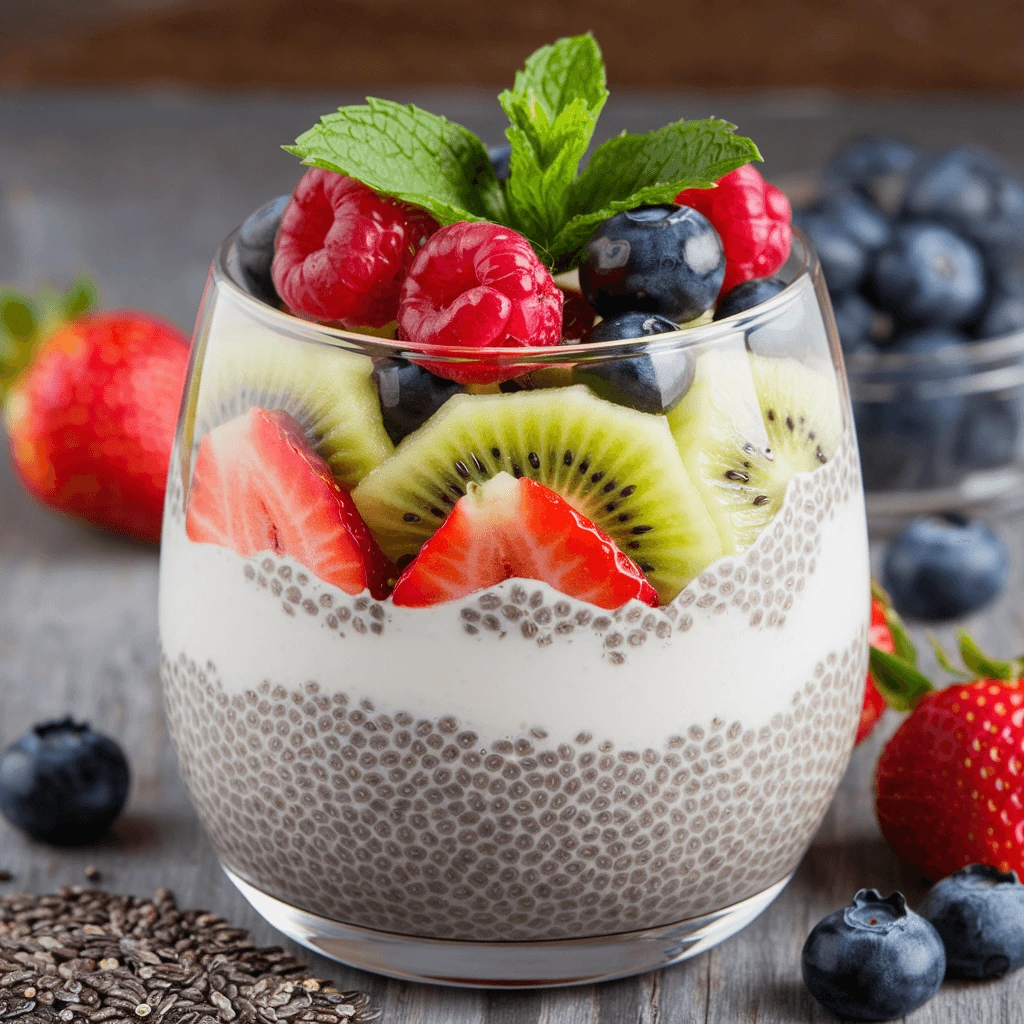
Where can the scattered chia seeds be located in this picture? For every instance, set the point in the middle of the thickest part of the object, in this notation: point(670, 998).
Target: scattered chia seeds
point(82, 955)
point(5, 875)
point(92, 873)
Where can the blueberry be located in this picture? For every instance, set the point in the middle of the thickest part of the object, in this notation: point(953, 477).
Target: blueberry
point(863, 221)
point(944, 567)
point(862, 327)
point(748, 294)
point(979, 914)
point(255, 247)
point(652, 382)
point(972, 192)
point(844, 261)
point(62, 783)
point(908, 433)
point(875, 166)
point(873, 960)
point(989, 431)
point(927, 274)
point(1004, 315)
point(658, 259)
point(500, 157)
point(409, 395)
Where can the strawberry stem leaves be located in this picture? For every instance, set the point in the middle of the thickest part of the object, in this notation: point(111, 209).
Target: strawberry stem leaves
point(982, 665)
point(899, 682)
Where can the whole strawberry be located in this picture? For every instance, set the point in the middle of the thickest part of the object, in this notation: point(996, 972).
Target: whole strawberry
point(950, 783)
point(753, 220)
point(90, 404)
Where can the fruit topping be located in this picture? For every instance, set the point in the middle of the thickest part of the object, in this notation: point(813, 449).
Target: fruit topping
point(873, 960)
point(753, 220)
point(479, 285)
point(944, 567)
point(258, 486)
point(660, 259)
point(409, 395)
point(748, 294)
point(255, 247)
point(500, 157)
point(343, 251)
point(577, 316)
point(507, 528)
point(616, 466)
point(950, 783)
point(876, 166)
point(91, 409)
point(926, 274)
point(649, 381)
point(328, 391)
point(62, 783)
point(741, 458)
point(979, 915)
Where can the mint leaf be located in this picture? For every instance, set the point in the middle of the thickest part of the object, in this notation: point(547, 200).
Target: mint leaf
point(409, 154)
point(633, 170)
point(553, 110)
point(557, 75)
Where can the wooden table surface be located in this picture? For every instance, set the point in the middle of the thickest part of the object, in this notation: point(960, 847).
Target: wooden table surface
point(139, 191)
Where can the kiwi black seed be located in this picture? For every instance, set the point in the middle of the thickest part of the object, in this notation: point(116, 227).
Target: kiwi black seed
point(618, 467)
point(327, 390)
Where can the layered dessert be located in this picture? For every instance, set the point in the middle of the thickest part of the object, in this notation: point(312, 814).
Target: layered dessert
point(514, 583)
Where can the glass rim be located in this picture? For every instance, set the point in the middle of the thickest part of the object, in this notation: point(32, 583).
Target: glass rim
point(707, 334)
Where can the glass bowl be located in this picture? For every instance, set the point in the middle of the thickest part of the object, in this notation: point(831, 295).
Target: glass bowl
point(518, 786)
point(940, 432)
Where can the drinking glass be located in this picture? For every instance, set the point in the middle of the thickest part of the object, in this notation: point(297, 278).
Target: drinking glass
point(521, 786)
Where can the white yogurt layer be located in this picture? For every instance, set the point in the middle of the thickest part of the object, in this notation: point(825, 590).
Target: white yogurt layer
point(501, 684)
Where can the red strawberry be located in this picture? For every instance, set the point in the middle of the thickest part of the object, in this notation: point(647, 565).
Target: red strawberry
point(259, 486)
point(874, 703)
point(343, 251)
point(753, 220)
point(92, 409)
point(950, 783)
point(508, 528)
point(479, 285)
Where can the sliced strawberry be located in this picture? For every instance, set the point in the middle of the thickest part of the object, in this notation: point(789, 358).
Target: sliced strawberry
point(258, 486)
point(509, 528)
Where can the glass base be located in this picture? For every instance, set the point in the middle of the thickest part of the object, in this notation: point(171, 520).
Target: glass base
point(507, 964)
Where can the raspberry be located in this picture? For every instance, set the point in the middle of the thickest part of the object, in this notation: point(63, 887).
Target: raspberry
point(479, 285)
point(753, 219)
point(343, 251)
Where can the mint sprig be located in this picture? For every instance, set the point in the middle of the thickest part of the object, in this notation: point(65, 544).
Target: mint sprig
point(409, 154)
point(553, 107)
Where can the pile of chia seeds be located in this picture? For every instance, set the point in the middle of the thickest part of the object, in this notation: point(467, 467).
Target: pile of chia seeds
point(86, 955)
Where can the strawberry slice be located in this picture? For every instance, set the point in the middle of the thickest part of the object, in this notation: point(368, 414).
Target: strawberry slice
point(507, 528)
point(259, 486)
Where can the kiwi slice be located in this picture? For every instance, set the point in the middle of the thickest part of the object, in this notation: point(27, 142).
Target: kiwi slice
point(327, 390)
point(801, 409)
point(747, 424)
point(618, 467)
point(725, 448)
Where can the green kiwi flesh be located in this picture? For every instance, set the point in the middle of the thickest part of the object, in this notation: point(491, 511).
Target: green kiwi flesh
point(327, 390)
point(618, 467)
point(745, 427)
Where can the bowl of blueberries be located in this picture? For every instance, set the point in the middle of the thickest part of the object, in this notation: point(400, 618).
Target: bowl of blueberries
point(923, 254)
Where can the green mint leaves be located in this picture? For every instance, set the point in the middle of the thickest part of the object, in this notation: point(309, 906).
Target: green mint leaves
point(410, 154)
point(552, 108)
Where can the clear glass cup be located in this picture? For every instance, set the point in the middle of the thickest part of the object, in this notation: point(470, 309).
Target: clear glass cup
point(520, 786)
point(941, 432)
